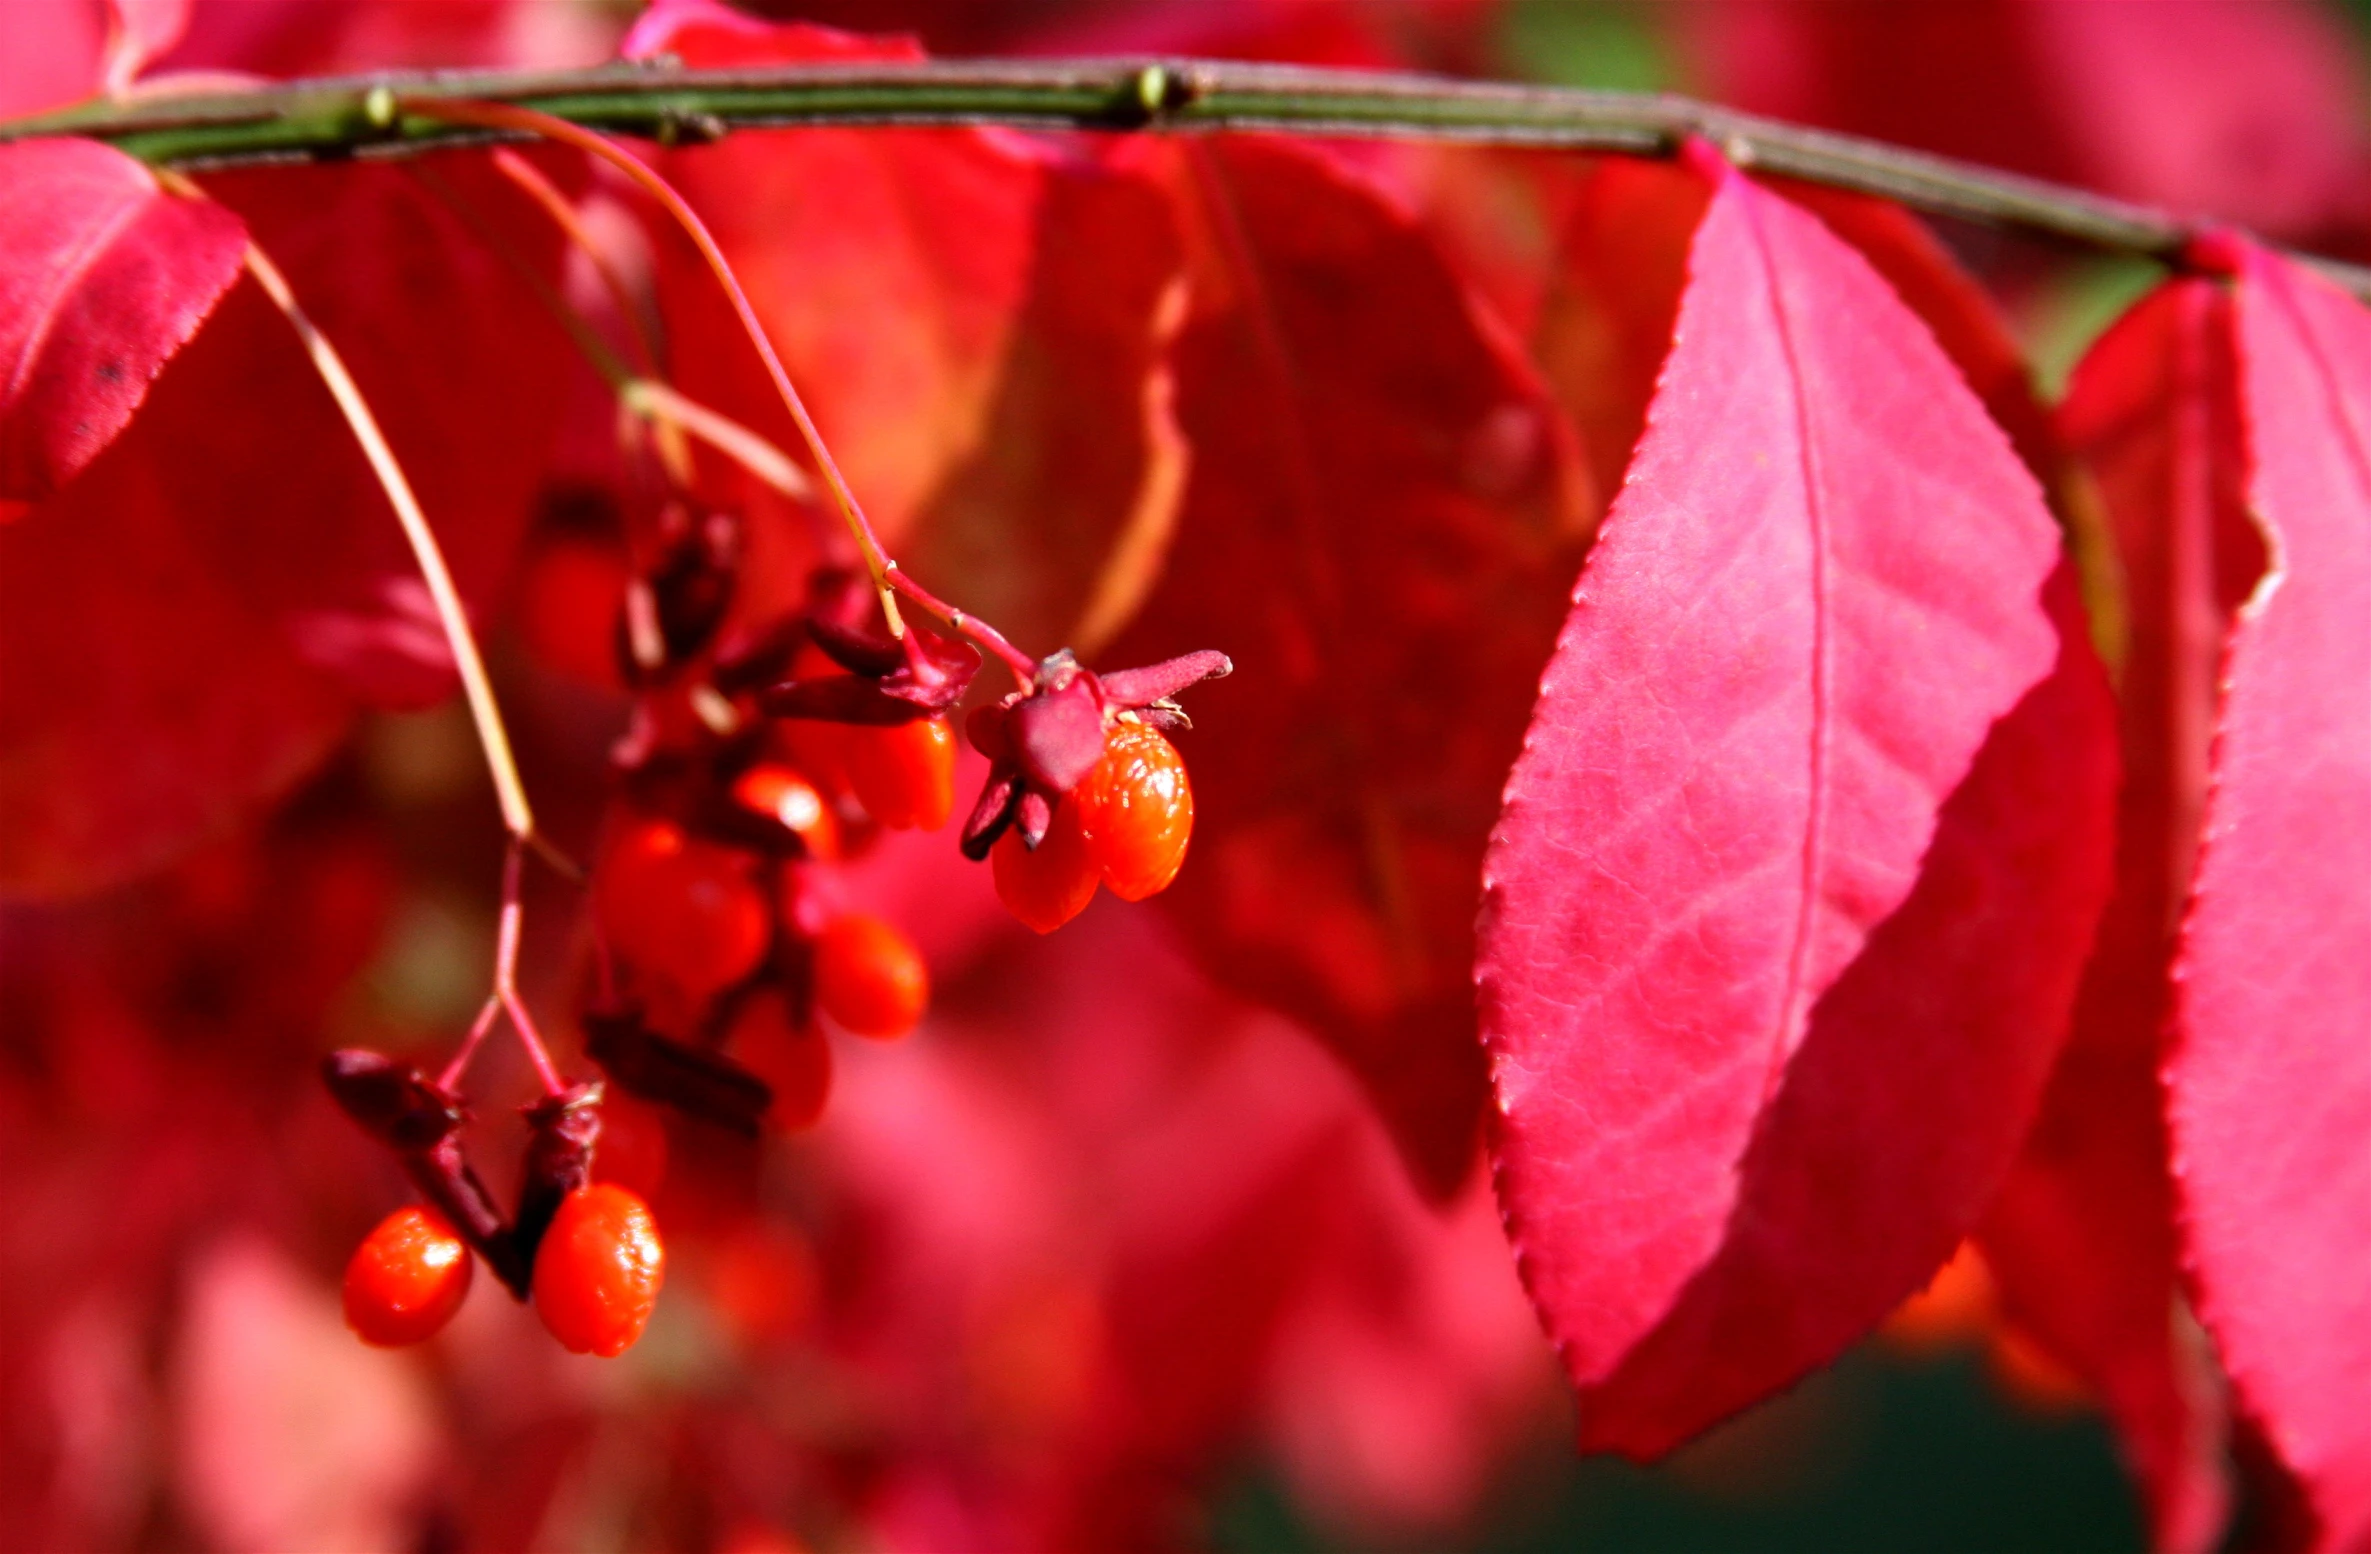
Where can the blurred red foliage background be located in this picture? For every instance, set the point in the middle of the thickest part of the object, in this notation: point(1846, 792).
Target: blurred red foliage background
point(1152, 1236)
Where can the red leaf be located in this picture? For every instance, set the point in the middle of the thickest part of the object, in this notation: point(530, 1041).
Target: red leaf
point(996, 402)
point(1969, 327)
point(707, 34)
point(2082, 1238)
point(2271, 1073)
point(1807, 834)
point(1126, 1226)
point(1611, 300)
point(1380, 529)
point(463, 367)
point(167, 619)
point(143, 704)
point(103, 276)
point(1362, 36)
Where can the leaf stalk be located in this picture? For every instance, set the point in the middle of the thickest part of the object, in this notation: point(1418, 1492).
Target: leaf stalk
point(517, 818)
point(888, 581)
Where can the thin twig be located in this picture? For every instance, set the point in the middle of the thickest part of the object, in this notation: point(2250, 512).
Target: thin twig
point(888, 581)
point(649, 398)
point(506, 970)
point(529, 179)
point(604, 361)
point(671, 414)
point(336, 118)
point(488, 1012)
point(667, 439)
point(517, 818)
point(510, 117)
point(505, 999)
point(509, 791)
point(1024, 668)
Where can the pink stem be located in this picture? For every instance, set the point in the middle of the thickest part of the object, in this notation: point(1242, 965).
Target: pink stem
point(1024, 667)
point(885, 573)
point(505, 999)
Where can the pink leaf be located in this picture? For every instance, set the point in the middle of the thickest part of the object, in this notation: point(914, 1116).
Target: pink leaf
point(1965, 321)
point(53, 56)
point(2082, 1237)
point(103, 276)
point(2271, 1072)
point(307, 38)
point(1802, 857)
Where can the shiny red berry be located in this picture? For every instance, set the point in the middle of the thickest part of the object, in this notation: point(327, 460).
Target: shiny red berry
point(680, 908)
point(794, 1060)
point(598, 1272)
point(1137, 811)
point(1050, 886)
point(784, 795)
point(904, 773)
point(869, 977)
point(815, 747)
point(406, 1279)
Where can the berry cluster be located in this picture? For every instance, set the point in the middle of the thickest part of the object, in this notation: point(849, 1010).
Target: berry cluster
point(758, 759)
point(1084, 787)
point(588, 1254)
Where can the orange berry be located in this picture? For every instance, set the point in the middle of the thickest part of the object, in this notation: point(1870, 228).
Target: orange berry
point(793, 1060)
point(683, 909)
point(1137, 811)
point(406, 1279)
point(819, 749)
point(598, 1271)
point(870, 978)
point(904, 773)
point(1052, 885)
point(785, 795)
point(815, 747)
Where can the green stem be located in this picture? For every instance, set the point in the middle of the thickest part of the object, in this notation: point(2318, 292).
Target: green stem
point(322, 119)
